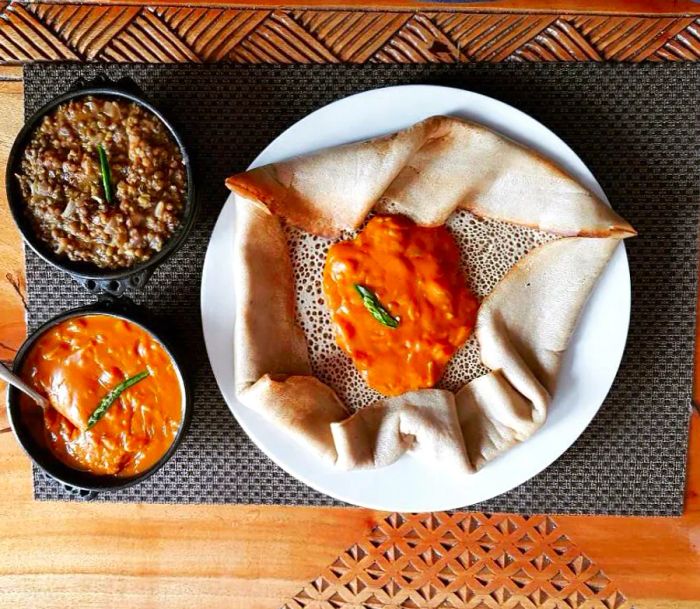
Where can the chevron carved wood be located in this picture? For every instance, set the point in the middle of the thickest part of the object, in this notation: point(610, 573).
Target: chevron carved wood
point(39, 31)
point(462, 561)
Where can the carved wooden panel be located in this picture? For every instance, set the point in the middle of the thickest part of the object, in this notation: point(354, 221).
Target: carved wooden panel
point(112, 32)
point(465, 561)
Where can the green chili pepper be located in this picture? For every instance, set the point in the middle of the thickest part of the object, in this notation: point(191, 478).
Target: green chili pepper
point(375, 307)
point(113, 396)
point(105, 172)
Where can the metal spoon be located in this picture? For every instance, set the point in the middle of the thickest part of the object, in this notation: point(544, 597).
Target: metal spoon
point(17, 382)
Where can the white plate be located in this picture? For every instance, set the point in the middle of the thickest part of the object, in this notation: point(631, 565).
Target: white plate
point(588, 369)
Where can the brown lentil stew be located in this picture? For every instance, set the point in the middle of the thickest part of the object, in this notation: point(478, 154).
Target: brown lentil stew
point(62, 187)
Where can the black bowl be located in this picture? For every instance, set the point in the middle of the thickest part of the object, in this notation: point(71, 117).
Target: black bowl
point(83, 483)
point(94, 279)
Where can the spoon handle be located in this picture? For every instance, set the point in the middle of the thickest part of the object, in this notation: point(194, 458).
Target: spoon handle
point(17, 382)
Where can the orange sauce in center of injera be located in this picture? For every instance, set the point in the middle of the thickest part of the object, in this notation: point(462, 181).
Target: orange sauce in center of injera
point(75, 364)
point(415, 273)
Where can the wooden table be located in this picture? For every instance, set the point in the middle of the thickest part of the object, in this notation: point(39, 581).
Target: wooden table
point(106, 555)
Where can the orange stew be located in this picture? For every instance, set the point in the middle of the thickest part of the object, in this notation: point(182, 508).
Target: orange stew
point(413, 273)
point(79, 361)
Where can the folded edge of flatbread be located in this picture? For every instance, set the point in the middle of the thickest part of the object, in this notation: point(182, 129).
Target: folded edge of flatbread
point(422, 422)
point(524, 327)
point(271, 361)
point(426, 172)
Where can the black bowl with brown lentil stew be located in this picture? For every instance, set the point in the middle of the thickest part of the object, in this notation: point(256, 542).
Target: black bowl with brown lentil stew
point(100, 186)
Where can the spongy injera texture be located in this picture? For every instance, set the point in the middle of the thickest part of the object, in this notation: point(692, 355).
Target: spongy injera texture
point(635, 126)
point(488, 249)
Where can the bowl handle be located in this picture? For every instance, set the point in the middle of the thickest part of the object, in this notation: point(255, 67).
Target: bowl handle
point(79, 493)
point(115, 287)
point(82, 494)
point(126, 84)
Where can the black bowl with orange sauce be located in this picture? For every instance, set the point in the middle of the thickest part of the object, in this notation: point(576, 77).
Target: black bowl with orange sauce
point(75, 359)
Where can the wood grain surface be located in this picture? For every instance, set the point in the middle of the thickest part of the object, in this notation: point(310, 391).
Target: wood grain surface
point(62, 555)
point(177, 32)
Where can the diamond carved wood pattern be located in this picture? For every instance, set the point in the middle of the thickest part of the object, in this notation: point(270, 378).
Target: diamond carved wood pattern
point(465, 561)
point(39, 31)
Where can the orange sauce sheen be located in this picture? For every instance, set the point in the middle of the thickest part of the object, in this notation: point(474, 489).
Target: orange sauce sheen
point(75, 364)
point(415, 273)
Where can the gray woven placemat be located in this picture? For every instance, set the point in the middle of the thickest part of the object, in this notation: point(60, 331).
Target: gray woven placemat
point(636, 128)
